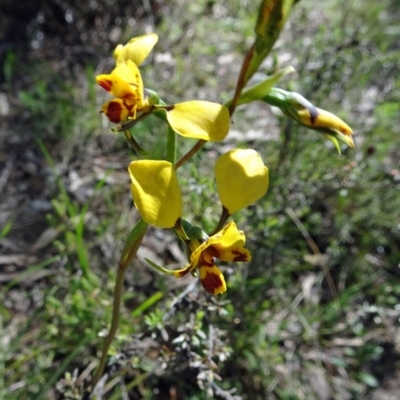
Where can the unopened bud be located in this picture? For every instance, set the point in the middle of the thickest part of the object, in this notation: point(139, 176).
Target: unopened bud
point(296, 107)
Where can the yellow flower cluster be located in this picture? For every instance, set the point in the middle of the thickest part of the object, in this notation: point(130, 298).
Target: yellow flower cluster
point(241, 178)
point(125, 82)
point(193, 119)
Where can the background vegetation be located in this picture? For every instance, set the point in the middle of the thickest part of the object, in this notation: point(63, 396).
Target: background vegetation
point(281, 331)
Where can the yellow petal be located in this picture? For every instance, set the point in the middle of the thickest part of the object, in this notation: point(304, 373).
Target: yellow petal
point(156, 192)
point(327, 122)
point(178, 273)
point(200, 120)
point(228, 245)
point(242, 178)
point(127, 83)
point(105, 81)
point(116, 110)
point(136, 50)
point(212, 279)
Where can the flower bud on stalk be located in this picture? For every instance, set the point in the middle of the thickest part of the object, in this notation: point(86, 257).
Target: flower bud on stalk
point(296, 107)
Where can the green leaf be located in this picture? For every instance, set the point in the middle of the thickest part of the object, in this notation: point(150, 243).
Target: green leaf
point(259, 91)
point(136, 232)
point(334, 141)
point(368, 379)
point(147, 304)
point(159, 268)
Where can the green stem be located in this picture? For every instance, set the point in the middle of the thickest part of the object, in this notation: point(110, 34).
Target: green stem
point(231, 105)
point(171, 145)
point(131, 247)
point(242, 79)
point(134, 144)
point(224, 217)
point(132, 123)
point(198, 146)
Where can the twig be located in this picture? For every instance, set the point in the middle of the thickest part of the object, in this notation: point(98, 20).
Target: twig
point(190, 153)
point(241, 83)
point(225, 394)
point(211, 340)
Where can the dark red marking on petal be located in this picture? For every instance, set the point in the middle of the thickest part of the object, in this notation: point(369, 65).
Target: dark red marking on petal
point(128, 107)
point(313, 114)
point(129, 96)
point(212, 251)
point(239, 256)
point(211, 282)
point(105, 84)
point(114, 112)
point(206, 259)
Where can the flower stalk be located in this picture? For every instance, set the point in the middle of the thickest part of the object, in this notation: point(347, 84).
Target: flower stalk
point(272, 16)
point(131, 247)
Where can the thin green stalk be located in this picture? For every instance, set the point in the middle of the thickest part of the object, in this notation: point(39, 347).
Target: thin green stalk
point(130, 124)
point(197, 147)
point(131, 247)
point(224, 217)
point(242, 81)
point(134, 144)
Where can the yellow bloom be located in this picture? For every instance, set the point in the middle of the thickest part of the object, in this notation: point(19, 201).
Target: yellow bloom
point(226, 245)
point(156, 192)
point(125, 83)
point(297, 107)
point(136, 50)
point(327, 123)
point(193, 119)
point(199, 120)
point(242, 178)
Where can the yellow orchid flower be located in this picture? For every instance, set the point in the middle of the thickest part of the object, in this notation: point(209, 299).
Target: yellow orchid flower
point(193, 119)
point(327, 123)
point(199, 120)
point(156, 192)
point(241, 177)
point(136, 50)
point(125, 83)
point(297, 107)
point(226, 245)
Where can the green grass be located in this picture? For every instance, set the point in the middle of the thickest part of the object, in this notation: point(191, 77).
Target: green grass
point(279, 328)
